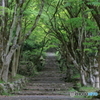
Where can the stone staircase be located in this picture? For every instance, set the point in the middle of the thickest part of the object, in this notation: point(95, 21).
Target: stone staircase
point(48, 83)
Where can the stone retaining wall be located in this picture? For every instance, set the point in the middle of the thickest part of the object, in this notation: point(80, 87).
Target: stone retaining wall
point(14, 86)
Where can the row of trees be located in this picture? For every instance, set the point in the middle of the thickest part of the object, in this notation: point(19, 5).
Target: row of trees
point(73, 27)
point(76, 24)
point(18, 19)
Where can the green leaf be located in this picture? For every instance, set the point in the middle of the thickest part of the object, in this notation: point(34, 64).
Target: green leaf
point(96, 3)
point(88, 43)
point(95, 38)
point(89, 50)
point(7, 10)
point(67, 4)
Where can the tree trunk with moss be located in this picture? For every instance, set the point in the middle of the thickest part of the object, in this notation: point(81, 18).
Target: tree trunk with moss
point(98, 60)
point(15, 62)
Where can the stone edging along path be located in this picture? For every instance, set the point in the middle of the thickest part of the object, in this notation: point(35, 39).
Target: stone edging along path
point(14, 86)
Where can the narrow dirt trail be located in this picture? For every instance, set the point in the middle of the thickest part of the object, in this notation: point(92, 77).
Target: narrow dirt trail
point(45, 86)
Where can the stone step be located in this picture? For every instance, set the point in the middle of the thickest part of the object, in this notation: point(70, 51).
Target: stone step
point(48, 64)
point(50, 71)
point(46, 89)
point(54, 68)
point(48, 75)
point(49, 84)
point(45, 79)
point(49, 81)
point(40, 92)
point(41, 97)
point(54, 73)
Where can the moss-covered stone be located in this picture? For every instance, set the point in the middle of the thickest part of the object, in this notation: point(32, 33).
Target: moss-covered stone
point(2, 88)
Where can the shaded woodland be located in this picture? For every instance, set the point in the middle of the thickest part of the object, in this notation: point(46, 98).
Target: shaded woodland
point(28, 28)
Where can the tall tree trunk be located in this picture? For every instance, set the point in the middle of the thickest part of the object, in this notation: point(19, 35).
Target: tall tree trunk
point(1, 49)
point(13, 67)
point(5, 72)
point(82, 76)
point(97, 84)
point(98, 59)
point(15, 62)
point(6, 63)
point(17, 58)
point(92, 80)
point(90, 74)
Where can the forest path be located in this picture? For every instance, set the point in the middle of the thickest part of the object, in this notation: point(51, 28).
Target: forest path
point(47, 85)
